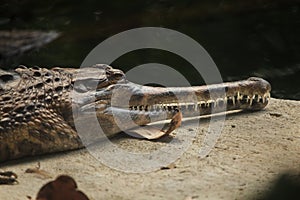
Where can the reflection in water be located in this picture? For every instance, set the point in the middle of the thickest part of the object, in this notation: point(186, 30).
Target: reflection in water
point(247, 38)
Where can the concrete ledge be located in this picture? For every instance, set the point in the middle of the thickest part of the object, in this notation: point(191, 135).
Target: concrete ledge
point(253, 150)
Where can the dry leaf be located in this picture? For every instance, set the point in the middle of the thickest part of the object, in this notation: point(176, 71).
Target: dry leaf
point(62, 188)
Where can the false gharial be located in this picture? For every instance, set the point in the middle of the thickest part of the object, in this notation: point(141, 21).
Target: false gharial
point(37, 105)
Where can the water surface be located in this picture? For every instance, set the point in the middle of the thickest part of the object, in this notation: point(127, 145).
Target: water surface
point(244, 39)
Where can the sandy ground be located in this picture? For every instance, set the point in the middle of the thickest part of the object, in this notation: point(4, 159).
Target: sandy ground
point(253, 149)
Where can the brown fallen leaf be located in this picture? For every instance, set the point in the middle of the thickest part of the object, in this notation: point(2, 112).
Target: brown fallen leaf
point(37, 170)
point(151, 132)
point(175, 122)
point(62, 188)
point(170, 166)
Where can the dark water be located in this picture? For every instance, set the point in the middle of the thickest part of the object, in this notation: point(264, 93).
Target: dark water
point(244, 39)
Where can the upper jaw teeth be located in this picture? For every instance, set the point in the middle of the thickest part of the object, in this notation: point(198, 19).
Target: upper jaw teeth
point(233, 100)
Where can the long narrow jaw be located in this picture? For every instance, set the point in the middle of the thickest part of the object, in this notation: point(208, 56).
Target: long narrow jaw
point(250, 94)
point(131, 105)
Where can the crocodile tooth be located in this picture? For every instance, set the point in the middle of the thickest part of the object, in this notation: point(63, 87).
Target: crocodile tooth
point(239, 96)
point(175, 107)
point(251, 100)
point(169, 107)
point(141, 108)
point(212, 103)
point(258, 98)
point(154, 107)
point(200, 104)
point(187, 106)
point(173, 104)
point(225, 99)
point(150, 108)
point(247, 99)
point(217, 102)
point(255, 97)
point(209, 102)
point(159, 107)
point(233, 100)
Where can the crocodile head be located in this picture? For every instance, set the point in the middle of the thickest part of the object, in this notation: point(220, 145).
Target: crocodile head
point(121, 105)
point(103, 92)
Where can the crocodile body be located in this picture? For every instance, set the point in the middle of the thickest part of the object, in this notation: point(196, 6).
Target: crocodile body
point(37, 105)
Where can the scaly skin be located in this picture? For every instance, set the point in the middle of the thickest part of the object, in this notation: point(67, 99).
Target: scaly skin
point(38, 106)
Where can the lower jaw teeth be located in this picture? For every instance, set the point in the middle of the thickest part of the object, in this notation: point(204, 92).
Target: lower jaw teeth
point(221, 102)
